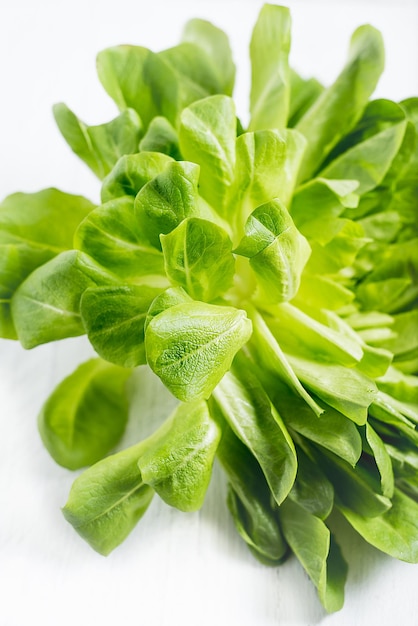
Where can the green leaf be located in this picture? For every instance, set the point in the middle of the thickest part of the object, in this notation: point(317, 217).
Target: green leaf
point(339, 107)
point(215, 44)
point(34, 227)
point(332, 430)
point(177, 459)
point(345, 389)
point(312, 490)
point(310, 540)
point(100, 146)
point(44, 221)
point(303, 93)
point(198, 256)
point(112, 236)
point(395, 532)
point(131, 173)
point(317, 205)
point(278, 252)
point(267, 163)
point(270, 357)
point(207, 137)
point(86, 414)
point(114, 319)
point(248, 411)
point(378, 116)
point(382, 459)
point(191, 346)
point(178, 77)
point(107, 500)
point(301, 334)
point(170, 297)
point(249, 499)
point(167, 200)
point(356, 488)
point(161, 137)
point(270, 84)
point(369, 161)
point(121, 72)
point(46, 306)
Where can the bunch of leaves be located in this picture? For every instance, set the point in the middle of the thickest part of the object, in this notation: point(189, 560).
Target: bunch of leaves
point(267, 275)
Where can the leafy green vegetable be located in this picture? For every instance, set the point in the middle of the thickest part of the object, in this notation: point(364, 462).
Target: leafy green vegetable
point(270, 85)
point(191, 346)
point(114, 319)
point(46, 306)
point(100, 146)
point(85, 416)
point(177, 459)
point(266, 273)
point(198, 257)
point(108, 499)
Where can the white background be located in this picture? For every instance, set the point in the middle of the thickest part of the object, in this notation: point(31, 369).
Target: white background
point(175, 569)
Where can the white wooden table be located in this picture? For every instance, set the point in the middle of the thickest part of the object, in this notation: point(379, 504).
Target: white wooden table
point(175, 569)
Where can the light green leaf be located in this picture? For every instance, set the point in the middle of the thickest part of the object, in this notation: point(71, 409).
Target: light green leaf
point(161, 137)
point(215, 44)
point(339, 107)
point(303, 93)
point(270, 357)
point(249, 413)
point(395, 532)
point(277, 250)
point(207, 137)
point(107, 500)
point(167, 200)
point(34, 227)
point(112, 236)
point(302, 335)
point(176, 461)
point(46, 306)
point(332, 430)
point(270, 84)
point(345, 389)
point(86, 414)
point(267, 163)
point(191, 346)
point(131, 173)
point(179, 76)
point(198, 256)
point(369, 161)
point(100, 146)
point(322, 292)
point(114, 319)
point(45, 220)
point(170, 297)
point(121, 72)
point(317, 205)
